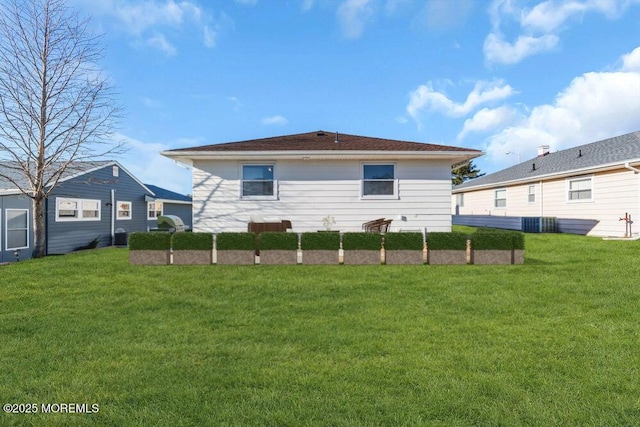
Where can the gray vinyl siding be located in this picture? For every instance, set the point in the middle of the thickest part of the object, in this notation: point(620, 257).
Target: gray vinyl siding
point(65, 237)
point(14, 202)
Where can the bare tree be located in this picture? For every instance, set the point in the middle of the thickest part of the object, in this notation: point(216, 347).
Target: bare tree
point(56, 106)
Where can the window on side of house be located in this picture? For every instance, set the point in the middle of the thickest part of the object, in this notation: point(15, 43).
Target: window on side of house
point(531, 194)
point(17, 226)
point(124, 210)
point(378, 181)
point(77, 209)
point(154, 210)
point(258, 182)
point(500, 198)
point(460, 200)
point(580, 189)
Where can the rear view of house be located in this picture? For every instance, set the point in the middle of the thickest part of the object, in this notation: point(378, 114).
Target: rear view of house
point(321, 179)
point(588, 189)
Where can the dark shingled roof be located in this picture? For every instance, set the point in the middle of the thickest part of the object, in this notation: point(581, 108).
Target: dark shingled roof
point(12, 170)
point(322, 141)
point(611, 151)
point(163, 193)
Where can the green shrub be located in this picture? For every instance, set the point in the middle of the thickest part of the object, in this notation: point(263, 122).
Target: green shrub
point(278, 241)
point(447, 241)
point(192, 241)
point(236, 241)
point(400, 241)
point(361, 241)
point(149, 241)
point(518, 240)
point(498, 240)
point(328, 241)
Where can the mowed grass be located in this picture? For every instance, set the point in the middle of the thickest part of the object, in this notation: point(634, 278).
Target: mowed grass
point(553, 342)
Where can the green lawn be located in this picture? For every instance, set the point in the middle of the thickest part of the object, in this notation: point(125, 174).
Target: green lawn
point(553, 342)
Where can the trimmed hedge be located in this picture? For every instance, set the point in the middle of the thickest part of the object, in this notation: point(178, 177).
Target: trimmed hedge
point(403, 241)
point(236, 241)
point(447, 241)
point(361, 241)
point(149, 241)
point(278, 241)
point(322, 241)
point(192, 241)
point(497, 240)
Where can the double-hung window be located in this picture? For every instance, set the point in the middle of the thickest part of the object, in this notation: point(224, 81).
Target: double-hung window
point(124, 210)
point(77, 209)
point(580, 189)
point(378, 181)
point(531, 194)
point(500, 198)
point(17, 228)
point(258, 182)
point(154, 210)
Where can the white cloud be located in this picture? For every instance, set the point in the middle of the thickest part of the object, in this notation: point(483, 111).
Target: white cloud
point(160, 42)
point(487, 120)
point(274, 121)
point(144, 161)
point(631, 61)
point(353, 15)
point(425, 98)
point(538, 27)
point(593, 106)
point(147, 19)
point(498, 51)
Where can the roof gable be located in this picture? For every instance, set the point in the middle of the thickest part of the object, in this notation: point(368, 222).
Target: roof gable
point(599, 154)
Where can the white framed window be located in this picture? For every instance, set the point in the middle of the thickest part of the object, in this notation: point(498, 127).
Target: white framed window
point(460, 200)
point(580, 189)
point(154, 210)
point(500, 198)
point(531, 194)
point(77, 209)
point(17, 226)
point(258, 182)
point(379, 181)
point(123, 210)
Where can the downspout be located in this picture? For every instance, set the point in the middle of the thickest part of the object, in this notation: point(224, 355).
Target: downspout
point(636, 172)
point(113, 216)
point(541, 204)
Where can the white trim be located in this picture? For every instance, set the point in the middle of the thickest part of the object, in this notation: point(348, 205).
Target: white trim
point(394, 196)
point(6, 227)
point(79, 209)
point(534, 194)
point(495, 198)
point(273, 196)
point(568, 181)
point(153, 218)
point(130, 210)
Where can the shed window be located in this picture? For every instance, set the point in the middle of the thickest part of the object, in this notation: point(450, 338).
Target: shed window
point(154, 210)
point(77, 210)
point(500, 198)
point(378, 180)
point(580, 189)
point(124, 210)
point(258, 182)
point(17, 228)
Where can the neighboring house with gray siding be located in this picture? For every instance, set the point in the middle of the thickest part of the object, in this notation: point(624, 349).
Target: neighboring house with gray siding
point(308, 177)
point(588, 189)
point(92, 202)
point(167, 202)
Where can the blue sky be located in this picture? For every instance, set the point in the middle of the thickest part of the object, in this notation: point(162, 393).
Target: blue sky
point(500, 76)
